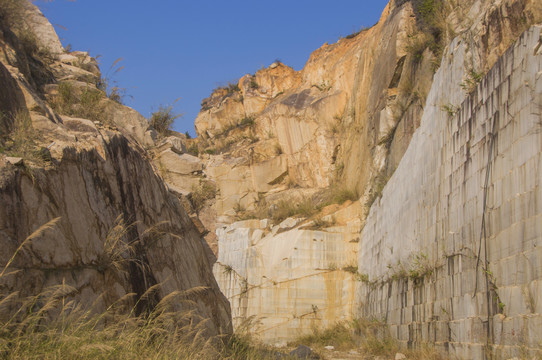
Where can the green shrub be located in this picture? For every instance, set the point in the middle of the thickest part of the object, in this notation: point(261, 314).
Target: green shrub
point(253, 84)
point(246, 121)
point(472, 80)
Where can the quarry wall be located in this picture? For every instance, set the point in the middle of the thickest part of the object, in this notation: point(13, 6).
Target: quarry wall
point(452, 250)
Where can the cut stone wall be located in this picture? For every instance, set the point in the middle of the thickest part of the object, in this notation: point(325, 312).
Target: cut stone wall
point(284, 280)
point(424, 244)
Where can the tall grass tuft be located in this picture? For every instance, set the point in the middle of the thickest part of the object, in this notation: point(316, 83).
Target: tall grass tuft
point(55, 325)
point(162, 119)
point(81, 103)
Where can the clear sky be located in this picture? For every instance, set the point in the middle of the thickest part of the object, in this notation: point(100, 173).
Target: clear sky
point(181, 48)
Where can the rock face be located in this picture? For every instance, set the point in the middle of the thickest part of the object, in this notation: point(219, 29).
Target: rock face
point(291, 277)
point(359, 110)
point(89, 189)
point(120, 230)
point(452, 250)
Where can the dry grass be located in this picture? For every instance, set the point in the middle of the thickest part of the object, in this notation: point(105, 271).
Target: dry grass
point(162, 119)
point(22, 140)
point(306, 206)
point(52, 325)
point(201, 193)
point(369, 338)
point(12, 13)
point(81, 103)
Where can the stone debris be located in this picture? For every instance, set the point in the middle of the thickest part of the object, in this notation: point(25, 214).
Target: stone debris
point(304, 352)
point(15, 160)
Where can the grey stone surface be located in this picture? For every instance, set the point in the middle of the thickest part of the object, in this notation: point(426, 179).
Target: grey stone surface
point(430, 216)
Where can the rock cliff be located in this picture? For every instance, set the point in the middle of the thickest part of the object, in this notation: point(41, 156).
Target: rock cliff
point(69, 151)
point(300, 159)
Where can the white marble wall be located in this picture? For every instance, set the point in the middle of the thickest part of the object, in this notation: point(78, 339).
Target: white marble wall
point(432, 207)
point(286, 279)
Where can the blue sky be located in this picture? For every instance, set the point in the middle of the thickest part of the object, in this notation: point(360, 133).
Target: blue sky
point(184, 49)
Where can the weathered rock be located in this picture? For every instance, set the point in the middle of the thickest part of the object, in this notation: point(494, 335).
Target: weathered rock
point(361, 109)
point(15, 160)
point(304, 352)
point(42, 28)
point(288, 276)
point(89, 189)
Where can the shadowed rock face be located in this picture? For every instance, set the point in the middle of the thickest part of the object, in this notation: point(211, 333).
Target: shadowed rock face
point(89, 189)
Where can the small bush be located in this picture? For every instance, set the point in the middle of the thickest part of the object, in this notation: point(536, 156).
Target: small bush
point(278, 149)
point(22, 140)
point(193, 150)
point(472, 80)
point(341, 195)
point(450, 109)
point(162, 119)
point(417, 44)
point(201, 193)
point(12, 13)
point(336, 194)
point(379, 183)
point(230, 88)
point(86, 103)
point(246, 121)
point(353, 269)
point(253, 84)
point(289, 208)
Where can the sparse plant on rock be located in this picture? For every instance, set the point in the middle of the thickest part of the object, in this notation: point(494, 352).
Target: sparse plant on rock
point(353, 269)
point(110, 86)
point(254, 84)
point(472, 80)
point(162, 119)
point(227, 269)
point(83, 103)
point(450, 109)
point(204, 191)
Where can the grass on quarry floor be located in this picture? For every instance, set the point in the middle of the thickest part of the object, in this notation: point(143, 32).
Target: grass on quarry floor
point(368, 338)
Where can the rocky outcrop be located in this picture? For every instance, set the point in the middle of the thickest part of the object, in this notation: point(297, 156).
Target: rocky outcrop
point(91, 189)
point(359, 110)
point(68, 152)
